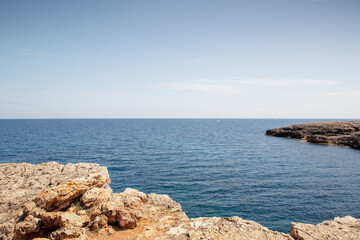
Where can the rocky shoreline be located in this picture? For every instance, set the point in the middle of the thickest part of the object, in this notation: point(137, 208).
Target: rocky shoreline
point(55, 201)
point(344, 133)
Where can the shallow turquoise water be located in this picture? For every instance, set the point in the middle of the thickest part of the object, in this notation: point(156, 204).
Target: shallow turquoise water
point(210, 168)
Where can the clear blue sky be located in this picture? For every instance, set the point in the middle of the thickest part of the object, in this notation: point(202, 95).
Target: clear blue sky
point(180, 59)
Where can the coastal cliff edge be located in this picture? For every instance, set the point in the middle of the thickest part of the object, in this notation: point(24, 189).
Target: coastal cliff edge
point(55, 201)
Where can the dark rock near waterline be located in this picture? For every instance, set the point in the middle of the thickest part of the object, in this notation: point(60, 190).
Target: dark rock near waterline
point(346, 133)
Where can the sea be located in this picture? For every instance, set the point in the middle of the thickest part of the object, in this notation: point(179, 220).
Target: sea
point(212, 167)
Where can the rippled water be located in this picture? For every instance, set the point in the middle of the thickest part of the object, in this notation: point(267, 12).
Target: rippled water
point(211, 168)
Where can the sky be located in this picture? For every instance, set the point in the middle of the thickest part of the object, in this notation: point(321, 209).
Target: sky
point(180, 59)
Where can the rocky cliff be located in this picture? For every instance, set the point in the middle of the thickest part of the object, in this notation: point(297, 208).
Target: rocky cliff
point(346, 133)
point(75, 201)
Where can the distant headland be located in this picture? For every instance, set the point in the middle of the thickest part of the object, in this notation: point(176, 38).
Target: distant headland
point(345, 133)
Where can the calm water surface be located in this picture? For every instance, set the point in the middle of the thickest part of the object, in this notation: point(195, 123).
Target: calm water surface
point(212, 169)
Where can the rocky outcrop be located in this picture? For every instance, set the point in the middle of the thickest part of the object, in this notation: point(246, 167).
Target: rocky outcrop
point(346, 133)
point(19, 183)
point(86, 208)
point(72, 201)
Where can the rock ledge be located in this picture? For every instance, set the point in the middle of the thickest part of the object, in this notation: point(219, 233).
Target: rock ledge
point(75, 202)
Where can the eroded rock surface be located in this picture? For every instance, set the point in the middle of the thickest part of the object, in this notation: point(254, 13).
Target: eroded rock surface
point(345, 133)
point(70, 201)
point(210, 228)
point(86, 208)
point(346, 228)
point(20, 183)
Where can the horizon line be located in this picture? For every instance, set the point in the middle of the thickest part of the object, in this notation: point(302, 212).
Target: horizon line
point(174, 118)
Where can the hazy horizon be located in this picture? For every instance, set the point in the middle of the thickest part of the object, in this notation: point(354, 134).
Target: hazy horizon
point(179, 118)
point(215, 59)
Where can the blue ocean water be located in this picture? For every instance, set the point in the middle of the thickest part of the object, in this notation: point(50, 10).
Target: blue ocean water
point(227, 168)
